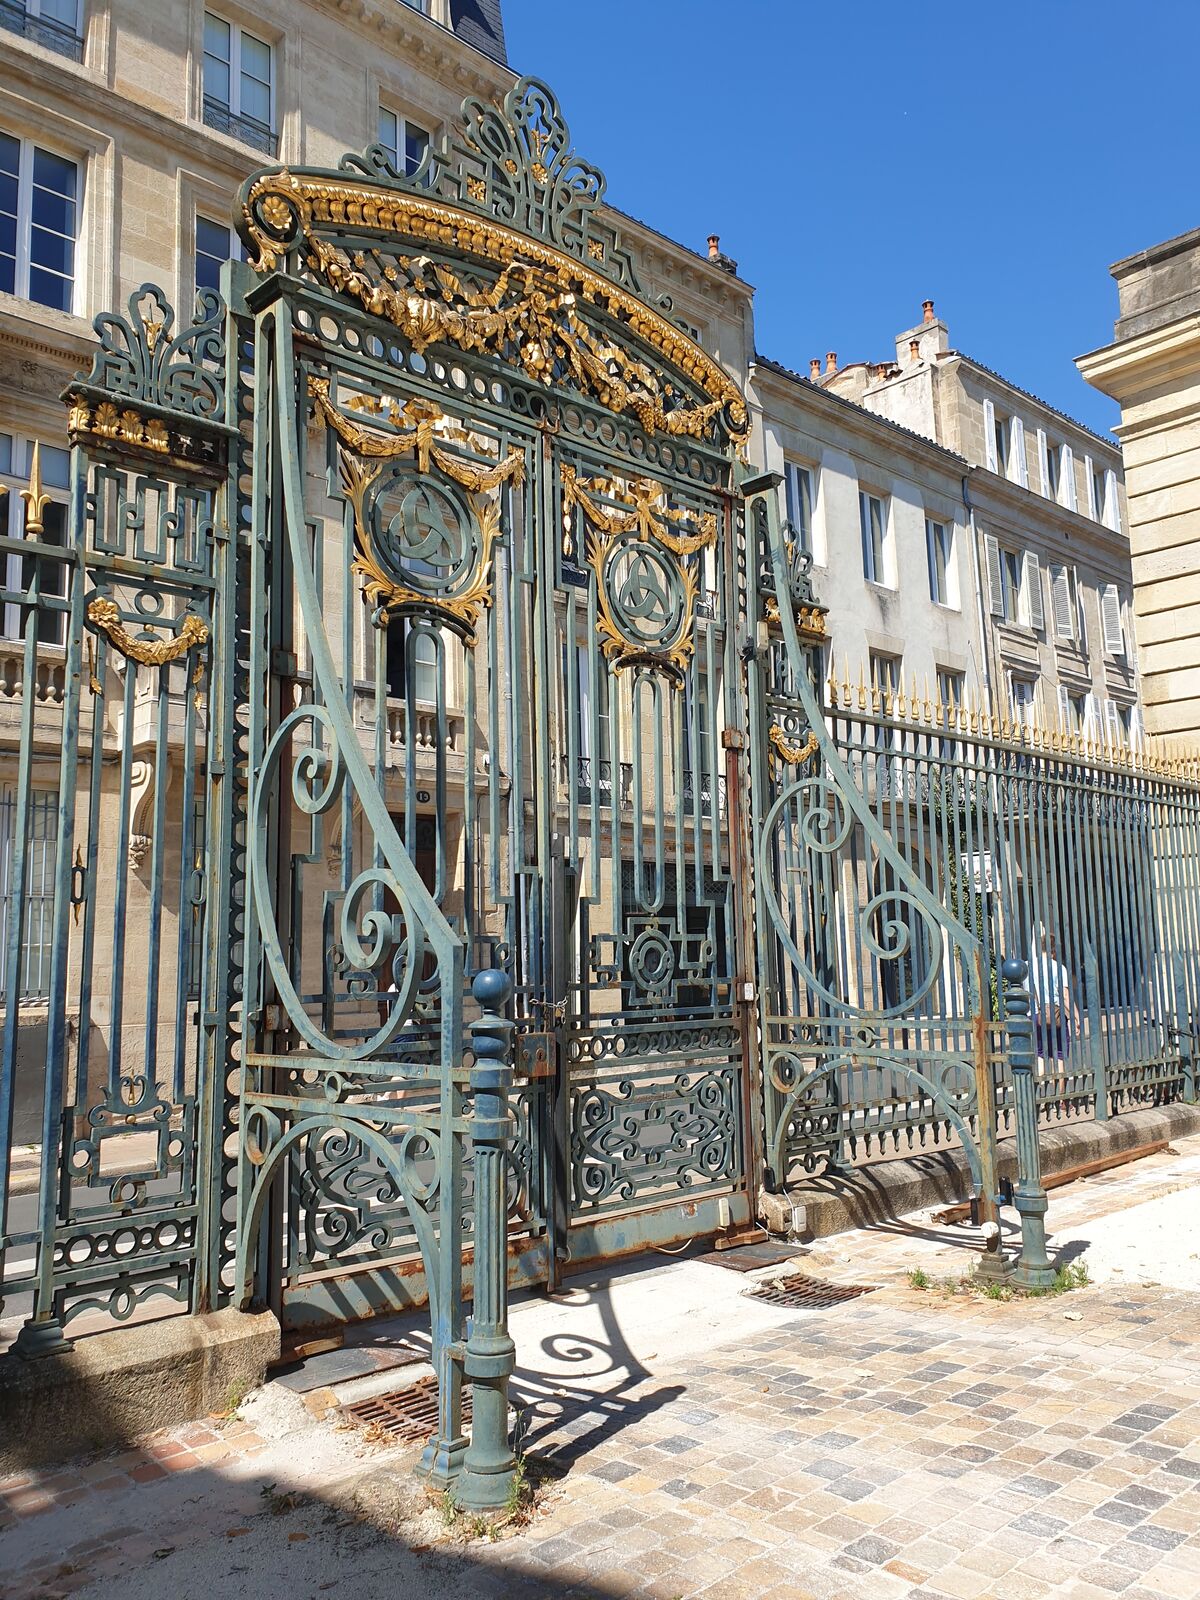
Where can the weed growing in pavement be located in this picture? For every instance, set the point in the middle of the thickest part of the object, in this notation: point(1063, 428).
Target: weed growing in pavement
point(1072, 1275)
point(516, 1512)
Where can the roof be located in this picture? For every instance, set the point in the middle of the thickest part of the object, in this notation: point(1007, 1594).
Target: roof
point(1109, 444)
point(479, 23)
point(961, 463)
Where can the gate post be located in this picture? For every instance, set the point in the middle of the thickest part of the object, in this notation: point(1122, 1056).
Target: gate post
point(490, 1355)
point(1033, 1269)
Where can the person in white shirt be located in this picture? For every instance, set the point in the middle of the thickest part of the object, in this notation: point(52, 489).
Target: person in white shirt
point(1055, 1017)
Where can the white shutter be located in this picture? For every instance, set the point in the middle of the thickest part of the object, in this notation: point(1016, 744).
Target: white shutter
point(1031, 591)
point(1110, 618)
point(1020, 464)
point(1094, 511)
point(1113, 719)
point(991, 547)
point(1091, 728)
point(1060, 601)
point(1138, 727)
point(1064, 709)
point(1066, 489)
point(1080, 613)
point(1043, 461)
point(989, 435)
point(1112, 501)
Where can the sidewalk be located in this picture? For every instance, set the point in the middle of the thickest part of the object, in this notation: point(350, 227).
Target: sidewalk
point(900, 1444)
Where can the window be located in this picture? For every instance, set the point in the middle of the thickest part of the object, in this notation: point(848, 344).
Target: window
point(413, 662)
point(885, 677)
point(41, 844)
point(39, 223)
point(215, 245)
point(872, 512)
point(1022, 694)
point(52, 23)
point(239, 91)
point(950, 687)
point(1010, 585)
point(939, 548)
point(1053, 470)
point(798, 493)
point(404, 143)
point(1122, 723)
point(20, 570)
point(1067, 605)
point(1014, 585)
point(1002, 437)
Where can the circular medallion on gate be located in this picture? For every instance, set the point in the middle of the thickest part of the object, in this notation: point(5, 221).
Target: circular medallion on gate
point(645, 596)
point(422, 532)
point(652, 961)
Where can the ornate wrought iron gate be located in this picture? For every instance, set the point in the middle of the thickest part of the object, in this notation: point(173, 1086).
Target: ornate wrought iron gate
point(874, 1014)
point(466, 415)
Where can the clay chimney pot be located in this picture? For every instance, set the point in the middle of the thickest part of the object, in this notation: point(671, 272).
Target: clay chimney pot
point(914, 350)
point(814, 369)
point(714, 246)
point(831, 361)
point(927, 308)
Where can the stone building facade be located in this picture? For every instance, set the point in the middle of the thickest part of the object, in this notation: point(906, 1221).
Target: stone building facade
point(1152, 368)
point(1042, 506)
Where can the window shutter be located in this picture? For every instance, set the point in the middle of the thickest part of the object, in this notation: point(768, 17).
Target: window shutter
point(1080, 613)
point(1064, 709)
point(1060, 600)
point(931, 560)
point(1112, 501)
point(991, 547)
point(1090, 728)
point(1019, 462)
point(1138, 727)
point(1043, 461)
point(1031, 587)
point(1110, 617)
point(1094, 511)
point(1113, 719)
point(989, 435)
point(1066, 489)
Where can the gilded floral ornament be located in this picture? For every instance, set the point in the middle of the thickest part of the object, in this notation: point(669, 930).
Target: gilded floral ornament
point(551, 292)
point(105, 615)
point(789, 750)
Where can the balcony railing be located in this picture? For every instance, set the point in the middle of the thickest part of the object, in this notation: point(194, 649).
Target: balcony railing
point(57, 36)
point(594, 785)
point(245, 129)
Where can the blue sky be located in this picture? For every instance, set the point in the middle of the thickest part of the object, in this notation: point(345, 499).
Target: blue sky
point(857, 156)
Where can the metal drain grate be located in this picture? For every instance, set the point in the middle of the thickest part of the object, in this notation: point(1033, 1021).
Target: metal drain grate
point(808, 1294)
point(407, 1415)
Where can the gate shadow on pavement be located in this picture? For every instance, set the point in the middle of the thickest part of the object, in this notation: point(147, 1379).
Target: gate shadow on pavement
point(585, 1389)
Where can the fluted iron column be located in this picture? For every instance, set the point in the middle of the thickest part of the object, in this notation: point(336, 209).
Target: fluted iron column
point(488, 1465)
point(1033, 1269)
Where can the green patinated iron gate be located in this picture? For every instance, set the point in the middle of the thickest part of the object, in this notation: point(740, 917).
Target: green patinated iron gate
point(429, 855)
point(488, 675)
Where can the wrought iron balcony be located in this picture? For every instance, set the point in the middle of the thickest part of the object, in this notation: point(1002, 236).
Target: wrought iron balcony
point(245, 129)
point(57, 36)
point(594, 784)
point(707, 784)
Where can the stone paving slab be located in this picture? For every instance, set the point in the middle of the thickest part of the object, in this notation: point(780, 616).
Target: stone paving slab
point(897, 1446)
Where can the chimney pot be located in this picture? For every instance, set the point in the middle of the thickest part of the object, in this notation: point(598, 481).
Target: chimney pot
point(831, 361)
point(914, 349)
point(927, 308)
point(714, 246)
point(814, 369)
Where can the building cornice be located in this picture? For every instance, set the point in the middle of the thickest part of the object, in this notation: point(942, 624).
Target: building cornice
point(1070, 531)
point(768, 374)
point(1120, 370)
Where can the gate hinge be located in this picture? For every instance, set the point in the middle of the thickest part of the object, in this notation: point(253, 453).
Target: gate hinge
point(733, 739)
point(284, 663)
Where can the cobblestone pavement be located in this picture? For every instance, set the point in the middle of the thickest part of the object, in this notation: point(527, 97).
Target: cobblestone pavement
point(901, 1444)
